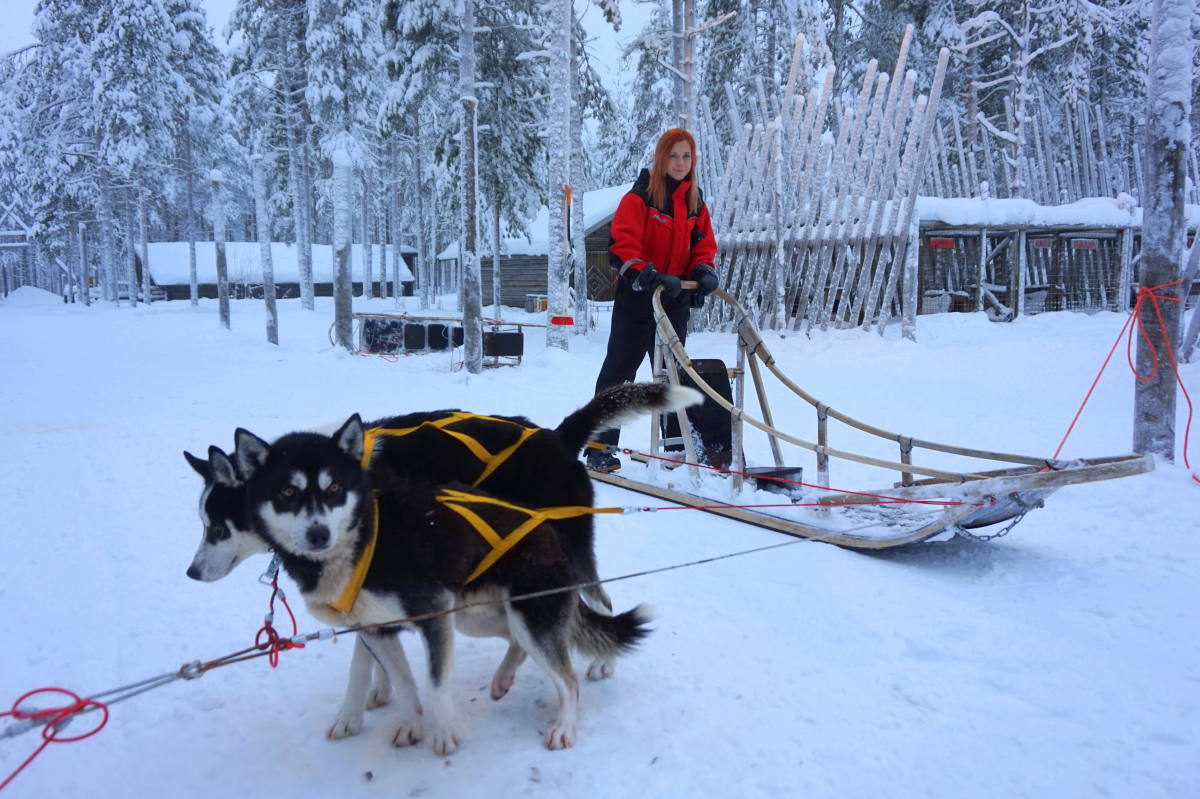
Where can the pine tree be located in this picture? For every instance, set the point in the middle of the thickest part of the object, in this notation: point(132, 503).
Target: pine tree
point(343, 53)
point(136, 99)
point(203, 122)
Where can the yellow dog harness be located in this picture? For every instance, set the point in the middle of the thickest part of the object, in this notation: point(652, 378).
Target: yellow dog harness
point(491, 461)
point(458, 501)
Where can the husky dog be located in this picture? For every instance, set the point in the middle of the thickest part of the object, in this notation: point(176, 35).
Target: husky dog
point(543, 471)
point(423, 546)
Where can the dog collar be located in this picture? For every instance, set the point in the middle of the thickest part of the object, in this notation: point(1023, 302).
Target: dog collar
point(350, 593)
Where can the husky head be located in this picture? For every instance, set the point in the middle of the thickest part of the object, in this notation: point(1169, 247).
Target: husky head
point(227, 539)
point(307, 492)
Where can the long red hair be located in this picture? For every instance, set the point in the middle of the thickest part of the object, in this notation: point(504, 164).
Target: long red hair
point(658, 169)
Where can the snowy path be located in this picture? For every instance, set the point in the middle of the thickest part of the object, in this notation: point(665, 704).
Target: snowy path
point(1062, 660)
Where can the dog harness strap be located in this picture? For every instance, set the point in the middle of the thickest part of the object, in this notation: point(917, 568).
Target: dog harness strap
point(349, 596)
point(484, 529)
point(452, 499)
point(500, 457)
point(491, 462)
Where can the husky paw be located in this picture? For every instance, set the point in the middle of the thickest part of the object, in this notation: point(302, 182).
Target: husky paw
point(446, 742)
point(501, 684)
point(379, 696)
point(561, 736)
point(407, 734)
point(601, 669)
point(345, 725)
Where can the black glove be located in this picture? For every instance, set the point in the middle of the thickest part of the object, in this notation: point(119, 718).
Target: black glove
point(643, 279)
point(672, 285)
point(706, 283)
point(706, 279)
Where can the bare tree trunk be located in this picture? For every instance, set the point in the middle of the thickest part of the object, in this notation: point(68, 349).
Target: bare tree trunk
point(468, 256)
point(343, 199)
point(189, 222)
point(394, 194)
point(368, 289)
point(300, 217)
point(497, 304)
point(559, 44)
point(262, 214)
point(578, 226)
point(143, 236)
point(131, 277)
point(1164, 227)
point(108, 243)
point(85, 290)
point(218, 220)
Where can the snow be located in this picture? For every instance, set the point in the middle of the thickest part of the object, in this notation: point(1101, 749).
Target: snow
point(1100, 212)
point(1059, 660)
point(169, 262)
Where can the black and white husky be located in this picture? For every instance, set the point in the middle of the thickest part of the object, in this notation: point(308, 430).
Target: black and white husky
point(233, 531)
point(324, 516)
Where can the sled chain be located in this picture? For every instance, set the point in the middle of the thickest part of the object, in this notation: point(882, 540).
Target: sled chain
point(1025, 508)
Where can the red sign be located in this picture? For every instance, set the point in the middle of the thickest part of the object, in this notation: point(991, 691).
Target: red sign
point(1085, 244)
point(1043, 242)
point(941, 244)
point(562, 320)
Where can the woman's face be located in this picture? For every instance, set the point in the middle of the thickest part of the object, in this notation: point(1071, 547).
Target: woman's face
point(680, 162)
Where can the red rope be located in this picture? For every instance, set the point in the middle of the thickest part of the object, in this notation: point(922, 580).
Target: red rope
point(881, 499)
point(1143, 294)
point(56, 719)
point(268, 637)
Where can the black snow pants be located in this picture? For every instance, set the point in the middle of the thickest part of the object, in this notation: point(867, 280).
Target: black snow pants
point(632, 337)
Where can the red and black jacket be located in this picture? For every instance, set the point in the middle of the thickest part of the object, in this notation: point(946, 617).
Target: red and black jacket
point(673, 239)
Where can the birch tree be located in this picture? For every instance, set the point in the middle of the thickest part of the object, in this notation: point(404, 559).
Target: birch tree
point(558, 45)
point(472, 284)
point(1164, 226)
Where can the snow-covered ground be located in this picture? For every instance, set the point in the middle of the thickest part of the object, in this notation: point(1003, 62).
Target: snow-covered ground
point(1062, 660)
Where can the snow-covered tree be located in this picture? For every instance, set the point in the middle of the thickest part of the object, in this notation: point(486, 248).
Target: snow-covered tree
point(419, 55)
point(137, 98)
point(342, 58)
point(1172, 48)
point(203, 126)
point(559, 34)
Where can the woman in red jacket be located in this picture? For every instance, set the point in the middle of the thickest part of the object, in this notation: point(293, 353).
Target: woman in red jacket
point(661, 234)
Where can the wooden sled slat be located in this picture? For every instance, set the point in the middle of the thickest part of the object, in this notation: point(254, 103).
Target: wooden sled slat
point(944, 520)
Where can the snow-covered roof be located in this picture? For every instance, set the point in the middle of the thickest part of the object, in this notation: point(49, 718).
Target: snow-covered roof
point(169, 263)
point(598, 207)
point(1090, 212)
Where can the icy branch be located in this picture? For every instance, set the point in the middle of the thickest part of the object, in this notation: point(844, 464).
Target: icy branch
point(995, 131)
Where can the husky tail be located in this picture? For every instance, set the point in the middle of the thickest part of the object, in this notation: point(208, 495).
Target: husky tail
point(605, 637)
point(616, 405)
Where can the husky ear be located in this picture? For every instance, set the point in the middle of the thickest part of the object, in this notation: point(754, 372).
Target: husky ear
point(250, 451)
point(223, 470)
point(349, 437)
point(200, 465)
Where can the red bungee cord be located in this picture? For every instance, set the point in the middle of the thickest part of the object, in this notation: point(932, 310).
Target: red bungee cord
point(55, 720)
point(268, 637)
point(1143, 294)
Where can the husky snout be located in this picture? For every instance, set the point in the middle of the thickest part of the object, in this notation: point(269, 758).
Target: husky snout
point(317, 536)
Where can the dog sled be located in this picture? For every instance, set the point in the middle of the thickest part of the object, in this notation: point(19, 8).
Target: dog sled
point(929, 500)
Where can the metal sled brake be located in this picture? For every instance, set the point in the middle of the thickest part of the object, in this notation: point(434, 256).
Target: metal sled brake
point(926, 501)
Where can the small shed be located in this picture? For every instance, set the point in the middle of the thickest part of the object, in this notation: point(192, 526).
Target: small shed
point(170, 268)
point(523, 261)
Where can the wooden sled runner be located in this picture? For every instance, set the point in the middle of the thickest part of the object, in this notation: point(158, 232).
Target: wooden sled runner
point(925, 501)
